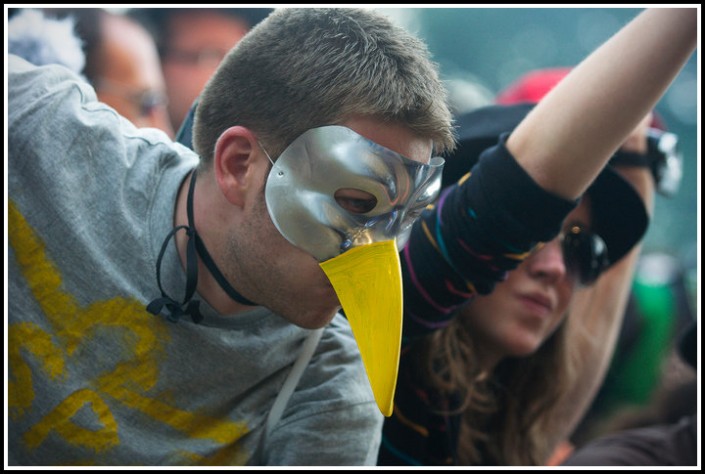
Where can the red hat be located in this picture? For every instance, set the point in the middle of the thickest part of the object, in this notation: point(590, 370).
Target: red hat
point(532, 86)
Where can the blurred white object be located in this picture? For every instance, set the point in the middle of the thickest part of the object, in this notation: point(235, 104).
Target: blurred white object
point(41, 40)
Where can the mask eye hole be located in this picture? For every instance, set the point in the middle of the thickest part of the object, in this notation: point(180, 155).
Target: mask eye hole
point(355, 201)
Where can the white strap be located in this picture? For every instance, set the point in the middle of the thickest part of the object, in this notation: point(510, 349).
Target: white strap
point(292, 380)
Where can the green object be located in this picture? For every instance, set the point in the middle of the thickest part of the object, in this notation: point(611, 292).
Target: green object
point(635, 373)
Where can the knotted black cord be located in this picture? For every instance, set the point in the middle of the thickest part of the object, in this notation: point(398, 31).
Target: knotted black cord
point(208, 260)
point(194, 246)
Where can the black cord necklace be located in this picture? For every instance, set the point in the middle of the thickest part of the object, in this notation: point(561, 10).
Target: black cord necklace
point(194, 245)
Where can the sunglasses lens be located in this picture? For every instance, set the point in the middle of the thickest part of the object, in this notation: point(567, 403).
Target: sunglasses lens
point(585, 254)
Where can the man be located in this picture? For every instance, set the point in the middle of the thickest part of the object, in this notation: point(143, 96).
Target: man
point(128, 349)
point(192, 42)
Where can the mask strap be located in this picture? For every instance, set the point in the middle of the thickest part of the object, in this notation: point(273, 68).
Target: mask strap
point(175, 309)
point(205, 256)
point(265, 152)
point(194, 246)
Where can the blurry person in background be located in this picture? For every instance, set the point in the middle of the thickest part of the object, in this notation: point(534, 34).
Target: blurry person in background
point(658, 438)
point(191, 43)
point(122, 64)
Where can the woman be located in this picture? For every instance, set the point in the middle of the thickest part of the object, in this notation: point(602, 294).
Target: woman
point(500, 365)
point(491, 410)
point(463, 395)
point(482, 390)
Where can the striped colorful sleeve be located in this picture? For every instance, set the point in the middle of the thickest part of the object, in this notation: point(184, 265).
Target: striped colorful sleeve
point(477, 230)
point(416, 434)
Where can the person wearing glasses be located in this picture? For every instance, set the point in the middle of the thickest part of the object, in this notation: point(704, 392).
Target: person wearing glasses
point(476, 390)
point(485, 368)
point(604, 322)
point(191, 43)
point(113, 53)
point(121, 63)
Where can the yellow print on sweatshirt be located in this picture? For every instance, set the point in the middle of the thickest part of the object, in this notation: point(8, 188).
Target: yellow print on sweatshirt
point(127, 382)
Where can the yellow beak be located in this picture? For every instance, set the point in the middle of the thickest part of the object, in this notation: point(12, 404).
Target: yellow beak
point(367, 280)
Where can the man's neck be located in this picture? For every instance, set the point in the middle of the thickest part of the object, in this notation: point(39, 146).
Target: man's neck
point(207, 287)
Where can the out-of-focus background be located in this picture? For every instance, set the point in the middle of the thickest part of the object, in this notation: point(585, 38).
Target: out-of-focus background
point(491, 47)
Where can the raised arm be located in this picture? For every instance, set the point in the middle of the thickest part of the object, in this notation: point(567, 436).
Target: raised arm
point(482, 227)
point(589, 114)
point(597, 312)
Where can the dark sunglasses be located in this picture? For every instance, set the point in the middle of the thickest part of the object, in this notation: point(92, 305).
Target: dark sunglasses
point(584, 254)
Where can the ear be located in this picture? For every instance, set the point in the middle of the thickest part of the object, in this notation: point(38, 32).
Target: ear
point(233, 163)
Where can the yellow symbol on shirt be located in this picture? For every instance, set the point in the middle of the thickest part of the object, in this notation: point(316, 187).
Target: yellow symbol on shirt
point(127, 380)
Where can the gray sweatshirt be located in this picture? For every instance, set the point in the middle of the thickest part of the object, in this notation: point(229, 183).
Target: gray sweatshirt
point(94, 379)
